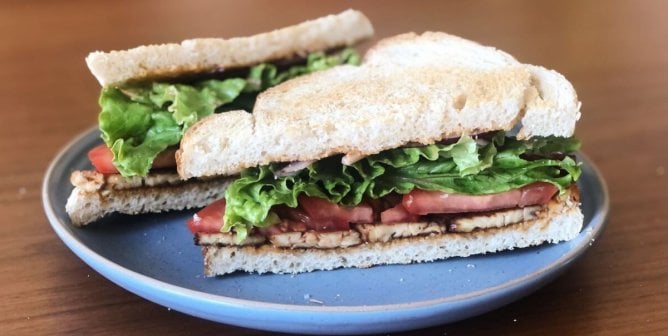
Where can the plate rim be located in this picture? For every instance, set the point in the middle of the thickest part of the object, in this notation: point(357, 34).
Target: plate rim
point(89, 256)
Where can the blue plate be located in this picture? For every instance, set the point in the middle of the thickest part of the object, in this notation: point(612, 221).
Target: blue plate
point(154, 257)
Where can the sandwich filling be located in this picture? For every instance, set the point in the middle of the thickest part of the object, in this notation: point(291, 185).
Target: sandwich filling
point(424, 189)
point(140, 122)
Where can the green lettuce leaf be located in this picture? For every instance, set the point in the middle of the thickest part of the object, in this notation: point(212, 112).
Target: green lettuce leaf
point(139, 122)
point(466, 166)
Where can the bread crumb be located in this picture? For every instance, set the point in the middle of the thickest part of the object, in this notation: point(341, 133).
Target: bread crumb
point(308, 298)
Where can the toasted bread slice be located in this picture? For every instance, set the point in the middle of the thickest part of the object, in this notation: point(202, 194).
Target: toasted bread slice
point(409, 89)
point(211, 54)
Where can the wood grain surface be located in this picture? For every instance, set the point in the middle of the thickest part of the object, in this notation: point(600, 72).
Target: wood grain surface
point(614, 52)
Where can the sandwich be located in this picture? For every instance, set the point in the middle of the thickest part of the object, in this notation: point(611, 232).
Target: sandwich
point(152, 94)
point(434, 147)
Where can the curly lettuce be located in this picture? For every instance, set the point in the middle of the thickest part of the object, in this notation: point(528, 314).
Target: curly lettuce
point(467, 166)
point(139, 122)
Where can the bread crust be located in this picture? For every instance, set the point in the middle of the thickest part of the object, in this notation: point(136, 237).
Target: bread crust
point(410, 89)
point(204, 55)
point(561, 220)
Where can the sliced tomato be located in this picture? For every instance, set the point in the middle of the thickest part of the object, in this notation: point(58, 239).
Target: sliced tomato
point(102, 159)
point(209, 219)
point(433, 202)
point(324, 215)
point(537, 193)
point(428, 202)
point(362, 213)
point(327, 216)
point(398, 214)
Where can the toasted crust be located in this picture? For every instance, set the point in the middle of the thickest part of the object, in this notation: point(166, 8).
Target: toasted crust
point(410, 89)
point(561, 220)
point(93, 199)
point(209, 54)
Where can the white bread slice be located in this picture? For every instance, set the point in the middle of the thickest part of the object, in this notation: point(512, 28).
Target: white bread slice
point(561, 221)
point(410, 89)
point(99, 196)
point(210, 54)
point(435, 48)
point(552, 107)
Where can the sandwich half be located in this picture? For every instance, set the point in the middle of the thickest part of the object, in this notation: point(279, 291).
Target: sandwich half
point(152, 94)
point(434, 147)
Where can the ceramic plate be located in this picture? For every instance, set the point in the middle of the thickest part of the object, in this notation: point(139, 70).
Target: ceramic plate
point(154, 257)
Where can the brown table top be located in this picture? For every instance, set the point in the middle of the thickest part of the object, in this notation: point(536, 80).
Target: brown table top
point(614, 52)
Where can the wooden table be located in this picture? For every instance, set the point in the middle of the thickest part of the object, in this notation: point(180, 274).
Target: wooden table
point(614, 52)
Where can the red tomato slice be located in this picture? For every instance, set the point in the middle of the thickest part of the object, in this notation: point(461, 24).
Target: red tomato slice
point(428, 202)
point(102, 159)
point(323, 215)
point(398, 214)
point(327, 216)
point(537, 193)
point(209, 219)
point(423, 202)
